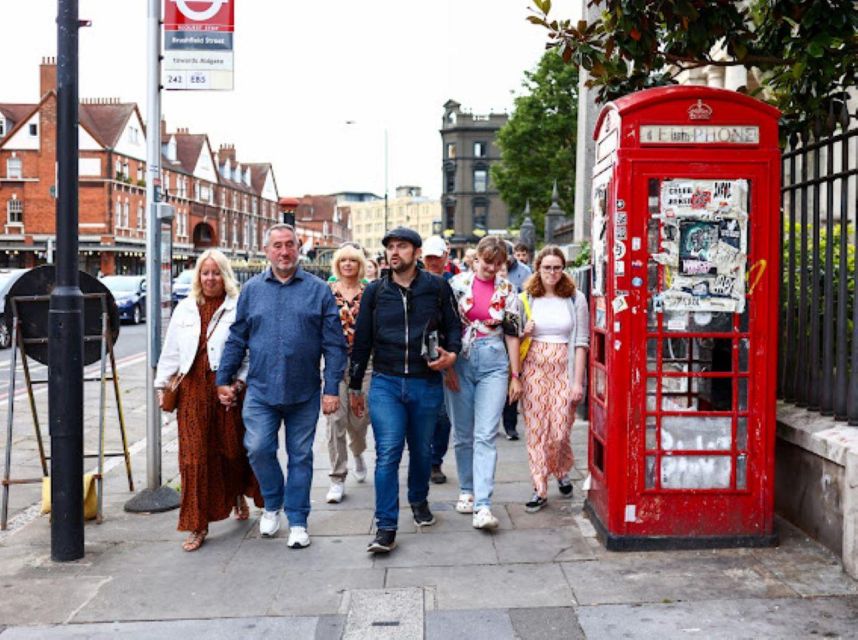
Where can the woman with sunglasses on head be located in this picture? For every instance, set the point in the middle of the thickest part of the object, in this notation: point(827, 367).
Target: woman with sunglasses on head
point(554, 351)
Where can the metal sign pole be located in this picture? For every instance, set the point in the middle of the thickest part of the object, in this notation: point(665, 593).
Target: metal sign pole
point(65, 337)
point(155, 497)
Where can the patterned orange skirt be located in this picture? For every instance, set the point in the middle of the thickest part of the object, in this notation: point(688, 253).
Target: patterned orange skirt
point(548, 412)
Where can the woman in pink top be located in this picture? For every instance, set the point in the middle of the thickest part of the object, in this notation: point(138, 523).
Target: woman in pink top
point(485, 374)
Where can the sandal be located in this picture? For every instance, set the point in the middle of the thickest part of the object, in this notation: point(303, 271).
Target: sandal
point(242, 511)
point(195, 540)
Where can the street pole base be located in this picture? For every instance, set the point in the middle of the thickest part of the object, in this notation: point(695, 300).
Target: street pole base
point(153, 501)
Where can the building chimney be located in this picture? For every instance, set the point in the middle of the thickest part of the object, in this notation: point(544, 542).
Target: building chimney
point(47, 76)
point(163, 128)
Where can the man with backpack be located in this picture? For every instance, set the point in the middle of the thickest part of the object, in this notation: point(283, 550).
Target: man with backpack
point(409, 324)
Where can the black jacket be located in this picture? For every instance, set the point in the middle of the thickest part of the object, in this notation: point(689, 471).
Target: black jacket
point(392, 322)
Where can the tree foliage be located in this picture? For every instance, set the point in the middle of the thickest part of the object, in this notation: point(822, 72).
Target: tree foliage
point(805, 50)
point(538, 141)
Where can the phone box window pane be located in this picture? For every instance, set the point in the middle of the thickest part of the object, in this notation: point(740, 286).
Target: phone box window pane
point(695, 472)
point(686, 433)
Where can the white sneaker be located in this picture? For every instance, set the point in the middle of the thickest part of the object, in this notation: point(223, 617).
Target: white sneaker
point(298, 538)
point(269, 523)
point(465, 503)
point(336, 493)
point(360, 469)
point(483, 519)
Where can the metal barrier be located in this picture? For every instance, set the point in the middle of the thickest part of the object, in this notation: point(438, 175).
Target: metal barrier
point(818, 363)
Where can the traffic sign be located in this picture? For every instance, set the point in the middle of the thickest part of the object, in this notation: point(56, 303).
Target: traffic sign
point(198, 37)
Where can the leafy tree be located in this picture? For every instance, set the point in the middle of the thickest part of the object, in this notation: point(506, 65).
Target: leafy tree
point(538, 141)
point(806, 51)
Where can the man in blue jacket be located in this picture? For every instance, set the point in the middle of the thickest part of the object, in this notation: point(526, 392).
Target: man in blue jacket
point(409, 323)
point(287, 319)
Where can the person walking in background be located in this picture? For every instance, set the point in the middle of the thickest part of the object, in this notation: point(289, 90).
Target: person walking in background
point(468, 259)
point(409, 325)
point(213, 465)
point(435, 254)
point(517, 273)
point(371, 270)
point(522, 254)
point(287, 320)
point(556, 339)
point(349, 265)
point(486, 374)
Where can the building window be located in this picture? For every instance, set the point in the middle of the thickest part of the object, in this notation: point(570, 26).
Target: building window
point(15, 211)
point(34, 129)
point(117, 214)
point(479, 149)
point(450, 215)
point(450, 181)
point(481, 180)
point(141, 218)
point(14, 168)
point(223, 231)
point(126, 215)
point(2, 126)
point(451, 149)
point(481, 214)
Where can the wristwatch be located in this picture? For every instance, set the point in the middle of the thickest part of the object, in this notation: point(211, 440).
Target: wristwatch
point(515, 374)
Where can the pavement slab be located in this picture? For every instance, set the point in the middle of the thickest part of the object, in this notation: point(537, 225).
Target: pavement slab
point(489, 587)
point(486, 624)
point(546, 623)
point(385, 614)
point(556, 514)
point(215, 629)
point(671, 577)
point(745, 619)
point(542, 545)
point(27, 601)
point(433, 549)
point(320, 590)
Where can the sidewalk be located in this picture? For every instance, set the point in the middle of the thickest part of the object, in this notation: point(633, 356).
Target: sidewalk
point(539, 576)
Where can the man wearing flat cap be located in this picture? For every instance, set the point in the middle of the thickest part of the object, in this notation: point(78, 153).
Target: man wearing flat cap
point(409, 324)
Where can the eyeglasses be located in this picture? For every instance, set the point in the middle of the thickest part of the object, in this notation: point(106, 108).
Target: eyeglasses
point(551, 269)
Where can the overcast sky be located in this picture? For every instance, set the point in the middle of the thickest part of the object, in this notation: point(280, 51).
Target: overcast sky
point(302, 69)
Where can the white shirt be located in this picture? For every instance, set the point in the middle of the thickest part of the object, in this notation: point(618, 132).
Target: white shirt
point(552, 320)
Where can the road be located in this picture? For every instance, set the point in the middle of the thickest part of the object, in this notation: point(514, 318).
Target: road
point(131, 345)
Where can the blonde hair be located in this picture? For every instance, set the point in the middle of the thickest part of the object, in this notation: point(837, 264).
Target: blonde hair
point(492, 249)
point(348, 251)
point(229, 283)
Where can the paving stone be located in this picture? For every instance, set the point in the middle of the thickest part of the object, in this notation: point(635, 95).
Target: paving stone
point(735, 619)
point(330, 627)
point(485, 624)
point(542, 545)
point(385, 614)
point(436, 549)
point(338, 522)
point(448, 519)
point(557, 513)
point(324, 551)
point(219, 629)
point(30, 601)
point(489, 587)
point(671, 576)
point(546, 623)
point(320, 590)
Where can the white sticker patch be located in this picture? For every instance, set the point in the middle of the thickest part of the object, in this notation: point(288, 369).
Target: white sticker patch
point(636, 244)
point(620, 304)
point(631, 513)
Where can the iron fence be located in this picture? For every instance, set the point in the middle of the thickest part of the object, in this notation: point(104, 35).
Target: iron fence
point(818, 359)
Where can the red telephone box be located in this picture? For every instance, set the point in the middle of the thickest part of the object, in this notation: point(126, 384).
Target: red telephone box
point(685, 247)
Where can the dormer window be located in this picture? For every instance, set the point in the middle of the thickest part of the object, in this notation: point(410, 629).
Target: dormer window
point(247, 176)
point(34, 129)
point(171, 149)
point(2, 126)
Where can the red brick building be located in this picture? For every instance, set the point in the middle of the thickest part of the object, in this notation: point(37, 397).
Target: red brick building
point(320, 221)
point(218, 200)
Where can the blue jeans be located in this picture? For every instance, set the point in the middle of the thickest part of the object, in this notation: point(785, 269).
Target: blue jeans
point(475, 411)
point(441, 436)
point(262, 424)
point(402, 410)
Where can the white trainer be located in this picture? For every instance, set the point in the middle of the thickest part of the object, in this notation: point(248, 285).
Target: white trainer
point(336, 493)
point(298, 538)
point(269, 523)
point(483, 519)
point(360, 468)
point(465, 504)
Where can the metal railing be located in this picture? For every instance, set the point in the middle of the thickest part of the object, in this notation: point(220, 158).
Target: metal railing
point(818, 360)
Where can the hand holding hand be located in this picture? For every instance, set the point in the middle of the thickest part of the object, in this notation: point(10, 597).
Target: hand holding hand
point(226, 395)
point(515, 389)
point(357, 404)
point(445, 360)
point(330, 404)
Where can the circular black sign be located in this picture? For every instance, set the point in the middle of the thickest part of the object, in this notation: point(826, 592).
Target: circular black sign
point(34, 316)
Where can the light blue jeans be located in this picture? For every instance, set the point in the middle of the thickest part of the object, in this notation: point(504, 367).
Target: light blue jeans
point(475, 411)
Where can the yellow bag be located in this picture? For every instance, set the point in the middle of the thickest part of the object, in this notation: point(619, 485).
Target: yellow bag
point(90, 496)
point(524, 346)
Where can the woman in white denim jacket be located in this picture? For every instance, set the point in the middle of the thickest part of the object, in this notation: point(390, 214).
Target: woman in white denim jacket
point(213, 465)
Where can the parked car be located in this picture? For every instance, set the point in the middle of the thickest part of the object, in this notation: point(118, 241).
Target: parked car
point(182, 285)
point(130, 295)
point(7, 279)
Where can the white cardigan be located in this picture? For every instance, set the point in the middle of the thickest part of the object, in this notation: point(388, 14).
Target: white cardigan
point(183, 338)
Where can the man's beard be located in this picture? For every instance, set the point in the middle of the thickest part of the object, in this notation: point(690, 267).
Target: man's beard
point(402, 267)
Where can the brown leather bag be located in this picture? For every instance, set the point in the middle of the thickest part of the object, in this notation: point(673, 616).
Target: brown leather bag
point(170, 393)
